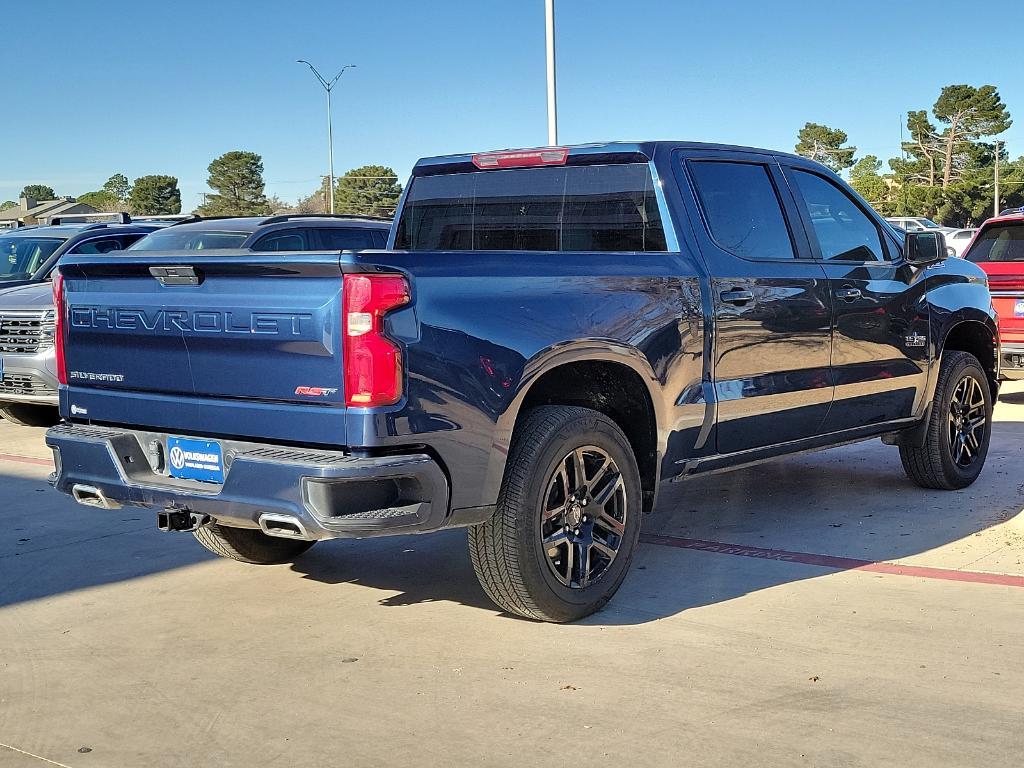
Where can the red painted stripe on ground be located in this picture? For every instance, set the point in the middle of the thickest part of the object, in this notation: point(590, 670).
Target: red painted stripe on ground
point(26, 460)
point(838, 563)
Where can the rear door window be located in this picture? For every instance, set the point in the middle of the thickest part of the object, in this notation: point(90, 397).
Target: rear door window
point(742, 209)
point(338, 239)
point(563, 208)
point(999, 242)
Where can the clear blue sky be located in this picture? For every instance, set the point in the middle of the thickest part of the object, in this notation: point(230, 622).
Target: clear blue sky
point(91, 89)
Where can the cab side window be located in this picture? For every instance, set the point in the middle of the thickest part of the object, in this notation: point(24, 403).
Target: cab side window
point(286, 240)
point(844, 232)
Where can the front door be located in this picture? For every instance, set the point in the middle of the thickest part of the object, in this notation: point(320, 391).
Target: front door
point(770, 301)
point(880, 321)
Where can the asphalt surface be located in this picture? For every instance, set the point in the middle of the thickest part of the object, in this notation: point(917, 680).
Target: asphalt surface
point(817, 611)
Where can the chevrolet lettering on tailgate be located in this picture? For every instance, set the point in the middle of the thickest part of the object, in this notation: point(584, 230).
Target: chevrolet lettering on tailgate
point(196, 321)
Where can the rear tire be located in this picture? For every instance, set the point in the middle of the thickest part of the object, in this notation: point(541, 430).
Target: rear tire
point(248, 545)
point(567, 520)
point(959, 427)
point(28, 415)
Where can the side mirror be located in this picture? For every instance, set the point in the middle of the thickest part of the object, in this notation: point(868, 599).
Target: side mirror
point(923, 248)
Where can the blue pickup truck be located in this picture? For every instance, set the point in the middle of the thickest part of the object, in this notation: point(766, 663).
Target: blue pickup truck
point(550, 336)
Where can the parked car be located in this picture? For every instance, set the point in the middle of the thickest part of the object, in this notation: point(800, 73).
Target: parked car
point(958, 240)
point(917, 224)
point(28, 377)
point(289, 232)
point(1011, 211)
point(553, 334)
point(29, 251)
point(998, 248)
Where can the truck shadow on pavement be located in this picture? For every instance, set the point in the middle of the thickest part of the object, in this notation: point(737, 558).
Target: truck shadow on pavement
point(51, 545)
point(853, 502)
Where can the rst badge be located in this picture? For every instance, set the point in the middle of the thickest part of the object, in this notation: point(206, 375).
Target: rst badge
point(315, 391)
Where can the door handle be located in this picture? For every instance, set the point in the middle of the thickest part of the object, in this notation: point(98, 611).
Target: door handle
point(738, 296)
point(848, 294)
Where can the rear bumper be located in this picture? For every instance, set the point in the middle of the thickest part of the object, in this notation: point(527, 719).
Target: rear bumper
point(1011, 362)
point(328, 494)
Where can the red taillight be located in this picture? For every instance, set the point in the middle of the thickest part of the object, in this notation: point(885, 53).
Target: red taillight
point(373, 363)
point(58, 328)
point(521, 158)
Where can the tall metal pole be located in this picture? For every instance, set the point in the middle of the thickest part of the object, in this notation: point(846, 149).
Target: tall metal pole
point(995, 207)
point(328, 86)
point(330, 156)
point(549, 17)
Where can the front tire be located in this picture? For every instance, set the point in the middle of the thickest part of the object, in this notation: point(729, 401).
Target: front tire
point(959, 427)
point(28, 415)
point(248, 545)
point(567, 520)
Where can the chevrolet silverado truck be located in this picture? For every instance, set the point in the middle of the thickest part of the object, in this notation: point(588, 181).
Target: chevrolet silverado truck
point(551, 336)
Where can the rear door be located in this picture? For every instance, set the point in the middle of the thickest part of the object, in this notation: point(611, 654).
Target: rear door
point(880, 321)
point(770, 301)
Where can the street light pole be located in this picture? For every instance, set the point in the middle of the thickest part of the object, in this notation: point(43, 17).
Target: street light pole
point(328, 86)
point(549, 18)
point(995, 208)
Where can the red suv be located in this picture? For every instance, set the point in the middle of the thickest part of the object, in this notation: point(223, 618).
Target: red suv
point(998, 248)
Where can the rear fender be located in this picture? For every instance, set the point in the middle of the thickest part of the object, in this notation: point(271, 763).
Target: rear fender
point(597, 350)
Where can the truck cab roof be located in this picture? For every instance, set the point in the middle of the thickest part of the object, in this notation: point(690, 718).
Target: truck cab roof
point(612, 151)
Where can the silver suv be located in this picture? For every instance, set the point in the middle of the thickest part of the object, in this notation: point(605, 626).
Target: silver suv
point(28, 376)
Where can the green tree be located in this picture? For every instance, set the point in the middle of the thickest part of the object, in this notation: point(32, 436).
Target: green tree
point(39, 192)
point(864, 178)
point(372, 190)
point(8, 204)
point(825, 145)
point(969, 114)
point(924, 151)
point(117, 187)
point(237, 178)
point(153, 195)
point(101, 200)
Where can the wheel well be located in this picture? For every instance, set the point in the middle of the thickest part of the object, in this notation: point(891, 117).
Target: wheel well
point(972, 336)
point(617, 391)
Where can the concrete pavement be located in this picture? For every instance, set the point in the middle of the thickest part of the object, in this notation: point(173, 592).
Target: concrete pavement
point(139, 647)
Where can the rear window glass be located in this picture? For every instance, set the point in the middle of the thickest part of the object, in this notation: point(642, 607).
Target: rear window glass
point(564, 208)
point(1000, 242)
point(173, 239)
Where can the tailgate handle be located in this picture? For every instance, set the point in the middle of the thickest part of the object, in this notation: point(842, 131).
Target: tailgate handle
point(177, 275)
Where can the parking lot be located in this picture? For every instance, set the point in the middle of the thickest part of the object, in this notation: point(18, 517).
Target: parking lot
point(820, 610)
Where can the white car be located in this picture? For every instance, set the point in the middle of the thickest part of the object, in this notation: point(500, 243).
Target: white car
point(918, 224)
point(959, 239)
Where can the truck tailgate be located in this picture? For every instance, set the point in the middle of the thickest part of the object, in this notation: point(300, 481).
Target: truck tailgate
point(258, 334)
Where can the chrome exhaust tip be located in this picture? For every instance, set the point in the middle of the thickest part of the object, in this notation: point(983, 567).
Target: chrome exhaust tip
point(91, 496)
point(283, 526)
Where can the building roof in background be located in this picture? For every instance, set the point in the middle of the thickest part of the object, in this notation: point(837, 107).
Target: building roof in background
point(44, 209)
